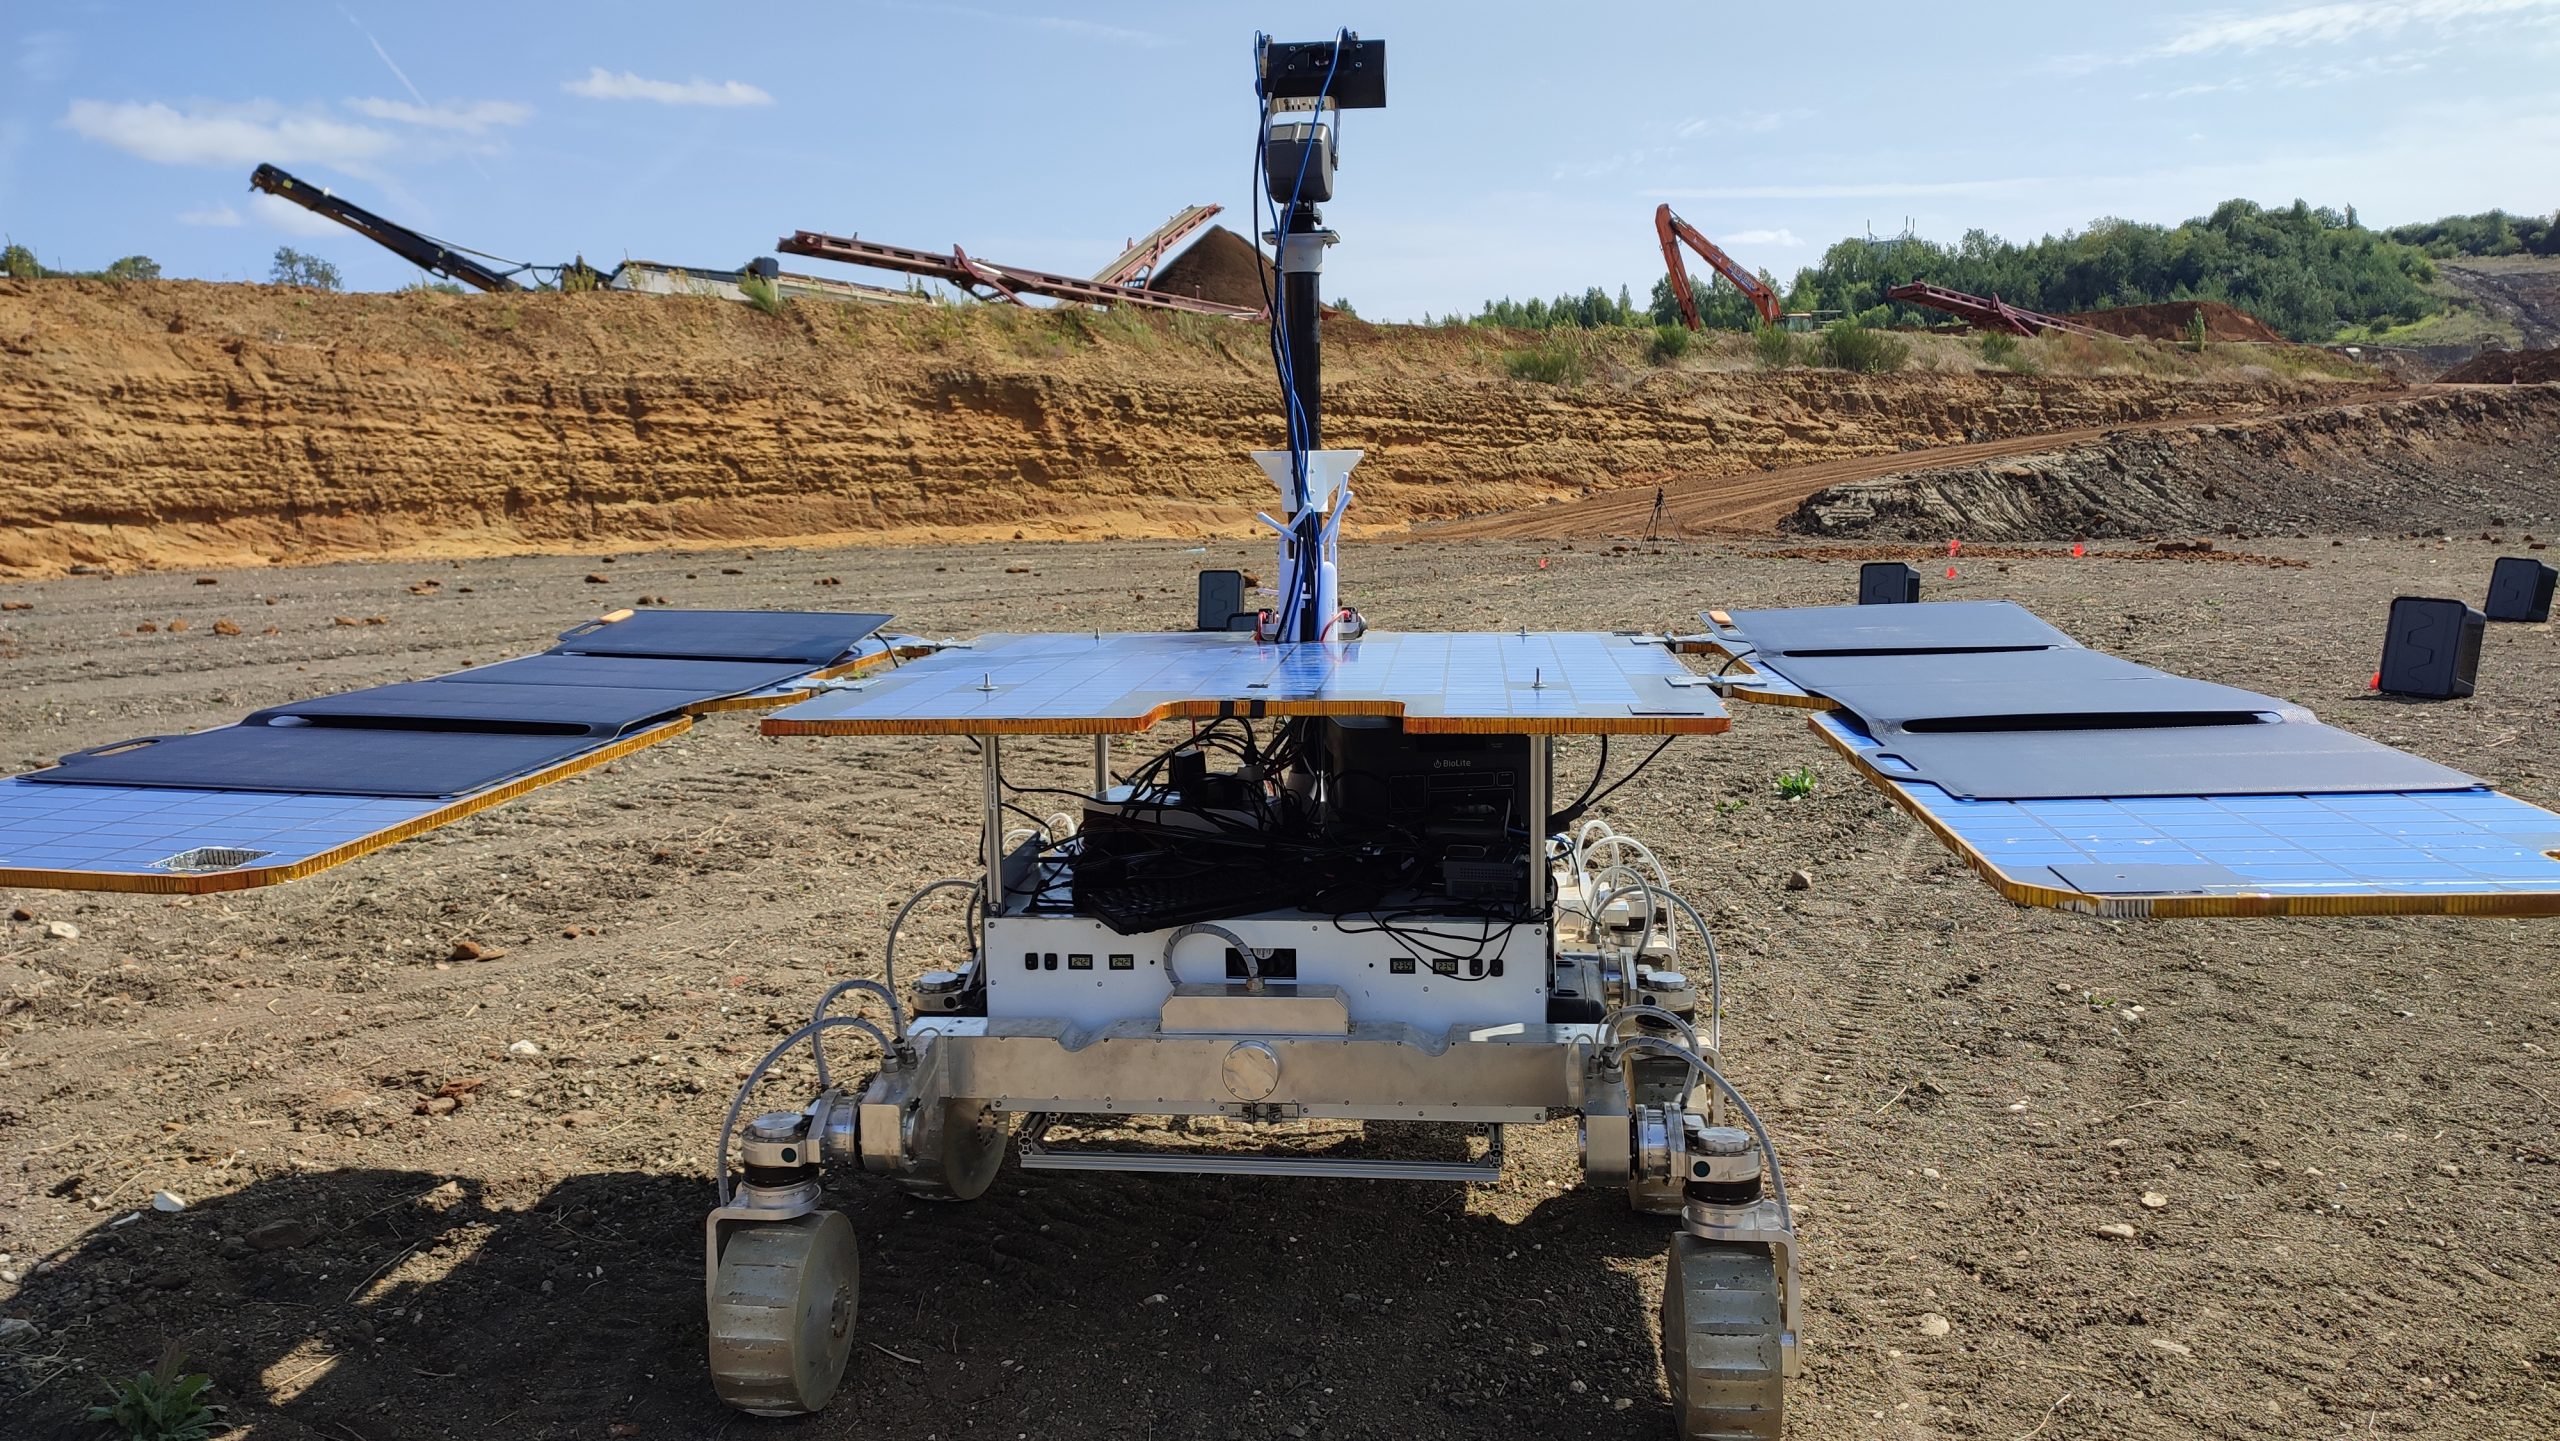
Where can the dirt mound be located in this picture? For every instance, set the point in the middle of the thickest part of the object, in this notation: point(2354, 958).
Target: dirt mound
point(2462, 459)
point(1221, 266)
point(2175, 320)
point(2507, 367)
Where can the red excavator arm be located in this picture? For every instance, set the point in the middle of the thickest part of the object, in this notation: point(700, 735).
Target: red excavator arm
point(1674, 231)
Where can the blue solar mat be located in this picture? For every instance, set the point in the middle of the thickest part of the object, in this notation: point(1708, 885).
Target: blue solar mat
point(1101, 684)
point(130, 830)
point(810, 637)
point(2464, 850)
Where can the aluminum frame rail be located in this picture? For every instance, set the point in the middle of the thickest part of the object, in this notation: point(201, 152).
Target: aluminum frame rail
point(1989, 313)
point(1006, 282)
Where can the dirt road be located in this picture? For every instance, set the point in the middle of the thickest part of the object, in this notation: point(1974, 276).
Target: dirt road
point(2350, 1122)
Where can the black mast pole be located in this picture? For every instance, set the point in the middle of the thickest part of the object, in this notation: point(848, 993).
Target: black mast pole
point(1301, 292)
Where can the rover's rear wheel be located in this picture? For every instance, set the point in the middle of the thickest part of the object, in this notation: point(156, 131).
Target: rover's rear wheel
point(782, 1309)
point(1721, 1321)
point(959, 1161)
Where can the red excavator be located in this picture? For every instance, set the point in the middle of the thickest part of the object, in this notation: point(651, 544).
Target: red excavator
point(1674, 231)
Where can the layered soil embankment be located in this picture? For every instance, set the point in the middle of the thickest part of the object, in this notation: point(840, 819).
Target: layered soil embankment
point(2176, 319)
point(2461, 459)
point(2507, 367)
point(183, 423)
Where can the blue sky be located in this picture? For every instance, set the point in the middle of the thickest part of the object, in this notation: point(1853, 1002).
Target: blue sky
point(1522, 152)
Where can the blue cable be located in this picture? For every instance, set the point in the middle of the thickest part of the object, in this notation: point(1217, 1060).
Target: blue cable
point(1292, 404)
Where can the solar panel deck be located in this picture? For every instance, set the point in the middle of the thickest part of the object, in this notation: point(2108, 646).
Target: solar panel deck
point(1574, 683)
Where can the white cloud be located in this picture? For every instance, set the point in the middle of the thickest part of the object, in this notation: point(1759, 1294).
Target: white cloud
point(1781, 237)
point(44, 54)
point(220, 217)
point(215, 134)
point(277, 213)
point(2333, 24)
point(1749, 122)
point(603, 84)
point(468, 116)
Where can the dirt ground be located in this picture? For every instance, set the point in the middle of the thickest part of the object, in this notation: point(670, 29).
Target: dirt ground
point(2351, 1123)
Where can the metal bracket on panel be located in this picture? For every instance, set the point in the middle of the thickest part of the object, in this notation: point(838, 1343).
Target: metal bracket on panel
point(1033, 1150)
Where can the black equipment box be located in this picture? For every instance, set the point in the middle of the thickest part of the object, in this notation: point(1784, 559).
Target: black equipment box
point(2431, 649)
point(1222, 603)
point(1462, 793)
point(2520, 589)
point(1887, 582)
point(1298, 70)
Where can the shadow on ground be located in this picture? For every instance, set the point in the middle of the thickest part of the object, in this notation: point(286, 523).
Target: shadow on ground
point(378, 1304)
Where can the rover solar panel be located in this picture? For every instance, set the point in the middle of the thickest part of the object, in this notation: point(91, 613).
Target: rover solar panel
point(297, 787)
point(1089, 684)
point(2075, 778)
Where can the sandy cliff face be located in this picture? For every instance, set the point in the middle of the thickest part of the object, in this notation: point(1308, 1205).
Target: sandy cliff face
point(188, 423)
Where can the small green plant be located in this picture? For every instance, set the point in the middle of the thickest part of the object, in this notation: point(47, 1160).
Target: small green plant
point(1796, 784)
point(578, 277)
point(1847, 345)
point(1547, 364)
point(161, 1404)
point(2002, 351)
point(1670, 342)
point(2196, 330)
point(1773, 348)
point(761, 293)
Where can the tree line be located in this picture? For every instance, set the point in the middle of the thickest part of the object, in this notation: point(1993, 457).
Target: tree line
point(2311, 272)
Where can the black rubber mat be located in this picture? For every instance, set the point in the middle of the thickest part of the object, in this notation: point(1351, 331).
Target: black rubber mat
point(812, 638)
point(455, 734)
point(705, 679)
point(602, 712)
point(1940, 626)
point(322, 760)
point(2272, 758)
point(1982, 689)
point(1988, 702)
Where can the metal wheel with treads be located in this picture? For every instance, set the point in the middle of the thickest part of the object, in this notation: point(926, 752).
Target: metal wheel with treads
point(781, 1311)
point(1721, 1318)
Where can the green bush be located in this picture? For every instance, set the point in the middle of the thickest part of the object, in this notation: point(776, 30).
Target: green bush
point(1547, 364)
point(1773, 348)
point(761, 293)
point(2002, 351)
point(1846, 345)
point(1670, 342)
point(292, 267)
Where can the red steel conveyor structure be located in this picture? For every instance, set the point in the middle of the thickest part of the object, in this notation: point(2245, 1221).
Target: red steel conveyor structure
point(988, 279)
point(1987, 313)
